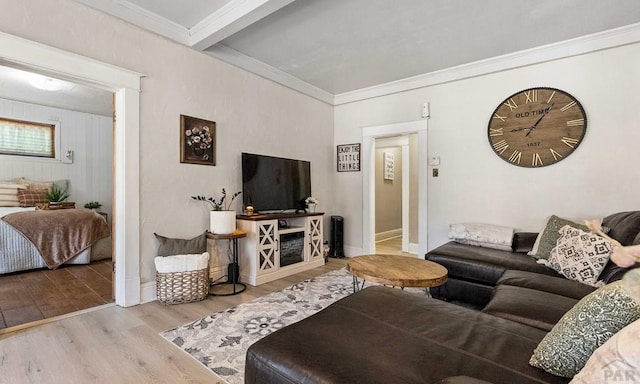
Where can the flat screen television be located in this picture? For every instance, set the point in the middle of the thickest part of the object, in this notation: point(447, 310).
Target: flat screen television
point(274, 183)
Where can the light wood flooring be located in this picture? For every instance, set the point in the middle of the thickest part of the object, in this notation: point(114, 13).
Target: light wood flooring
point(121, 345)
point(42, 294)
point(392, 246)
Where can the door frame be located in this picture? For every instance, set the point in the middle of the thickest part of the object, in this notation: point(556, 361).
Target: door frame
point(125, 84)
point(369, 135)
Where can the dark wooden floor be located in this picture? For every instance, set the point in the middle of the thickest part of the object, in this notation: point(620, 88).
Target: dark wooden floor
point(41, 294)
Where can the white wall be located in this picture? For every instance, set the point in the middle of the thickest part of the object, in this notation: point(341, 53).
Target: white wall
point(599, 178)
point(89, 136)
point(252, 114)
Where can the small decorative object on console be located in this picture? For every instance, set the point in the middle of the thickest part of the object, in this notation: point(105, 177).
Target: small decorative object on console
point(311, 203)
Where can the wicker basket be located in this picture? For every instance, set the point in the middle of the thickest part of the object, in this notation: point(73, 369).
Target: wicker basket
point(182, 287)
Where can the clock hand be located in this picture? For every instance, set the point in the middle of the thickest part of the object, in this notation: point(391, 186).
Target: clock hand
point(541, 117)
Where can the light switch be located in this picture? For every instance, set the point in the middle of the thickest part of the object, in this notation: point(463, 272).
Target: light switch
point(434, 160)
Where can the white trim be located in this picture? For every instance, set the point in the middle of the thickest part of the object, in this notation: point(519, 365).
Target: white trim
point(350, 251)
point(148, 292)
point(242, 61)
point(21, 327)
point(413, 248)
point(36, 57)
point(231, 18)
point(141, 18)
point(585, 44)
point(369, 134)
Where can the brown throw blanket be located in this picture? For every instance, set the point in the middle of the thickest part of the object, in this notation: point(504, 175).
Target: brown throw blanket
point(61, 234)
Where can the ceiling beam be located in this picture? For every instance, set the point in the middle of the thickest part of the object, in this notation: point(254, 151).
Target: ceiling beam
point(231, 18)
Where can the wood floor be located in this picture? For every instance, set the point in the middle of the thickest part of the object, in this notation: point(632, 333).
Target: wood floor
point(121, 345)
point(392, 246)
point(42, 294)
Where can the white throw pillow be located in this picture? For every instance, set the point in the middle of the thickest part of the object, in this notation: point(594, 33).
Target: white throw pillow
point(579, 255)
point(615, 361)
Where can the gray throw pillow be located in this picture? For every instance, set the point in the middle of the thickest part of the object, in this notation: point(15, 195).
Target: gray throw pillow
point(548, 237)
point(170, 247)
point(564, 351)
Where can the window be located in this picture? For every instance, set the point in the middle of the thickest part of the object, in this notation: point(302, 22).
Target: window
point(26, 138)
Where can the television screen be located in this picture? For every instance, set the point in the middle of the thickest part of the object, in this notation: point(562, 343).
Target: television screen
point(274, 183)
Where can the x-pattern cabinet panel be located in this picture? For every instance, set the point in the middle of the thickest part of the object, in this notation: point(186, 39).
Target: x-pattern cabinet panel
point(267, 238)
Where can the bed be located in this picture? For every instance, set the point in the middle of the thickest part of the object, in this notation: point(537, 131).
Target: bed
point(18, 253)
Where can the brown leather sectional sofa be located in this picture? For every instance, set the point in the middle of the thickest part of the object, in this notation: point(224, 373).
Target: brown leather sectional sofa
point(384, 335)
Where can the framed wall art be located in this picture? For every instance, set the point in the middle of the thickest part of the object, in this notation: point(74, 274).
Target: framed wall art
point(389, 166)
point(349, 158)
point(197, 141)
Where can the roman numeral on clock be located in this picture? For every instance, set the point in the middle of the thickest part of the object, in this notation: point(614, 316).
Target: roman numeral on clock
point(515, 157)
point(575, 123)
point(511, 104)
point(569, 141)
point(536, 160)
point(495, 132)
point(532, 96)
point(500, 146)
point(555, 154)
point(571, 104)
point(501, 118)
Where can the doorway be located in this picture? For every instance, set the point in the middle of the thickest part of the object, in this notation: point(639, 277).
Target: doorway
point(369, 136)
point(393, 195)
point(125, 84)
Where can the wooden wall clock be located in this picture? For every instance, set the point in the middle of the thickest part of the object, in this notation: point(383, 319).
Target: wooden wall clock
point(537, 127)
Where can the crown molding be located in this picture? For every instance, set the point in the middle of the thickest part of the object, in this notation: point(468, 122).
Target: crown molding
point(231, 18)
point(240, 60)
point(141, 17)
point(578, 46)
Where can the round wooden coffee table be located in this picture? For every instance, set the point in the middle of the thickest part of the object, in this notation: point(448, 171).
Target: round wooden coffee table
point(397, 271)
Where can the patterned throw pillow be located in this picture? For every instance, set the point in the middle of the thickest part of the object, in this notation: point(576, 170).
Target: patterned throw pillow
point(590, 323)
point(9, 194)
point(616, 361)
point(35, 185)
point(32, 198)
point(549, 235)
point(579, 255)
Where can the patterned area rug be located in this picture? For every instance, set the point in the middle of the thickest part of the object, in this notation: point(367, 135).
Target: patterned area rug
point(220, 341)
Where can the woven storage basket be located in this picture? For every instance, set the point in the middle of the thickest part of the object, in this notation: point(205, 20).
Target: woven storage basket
point(182, 287)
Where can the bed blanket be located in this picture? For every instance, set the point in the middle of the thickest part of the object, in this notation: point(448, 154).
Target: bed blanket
point(61, 234)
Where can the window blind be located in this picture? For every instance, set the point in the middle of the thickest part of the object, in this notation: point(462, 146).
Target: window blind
point(27, 138)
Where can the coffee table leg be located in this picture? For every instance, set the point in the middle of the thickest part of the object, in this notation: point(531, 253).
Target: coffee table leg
point(356, 286)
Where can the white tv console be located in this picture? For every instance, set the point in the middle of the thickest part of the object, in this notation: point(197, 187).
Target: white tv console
point(271, 251)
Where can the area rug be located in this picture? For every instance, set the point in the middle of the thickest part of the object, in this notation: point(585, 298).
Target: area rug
point(220, 341)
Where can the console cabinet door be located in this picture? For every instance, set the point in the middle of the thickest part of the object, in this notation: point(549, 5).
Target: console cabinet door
point(314, 237)
point(267, 246)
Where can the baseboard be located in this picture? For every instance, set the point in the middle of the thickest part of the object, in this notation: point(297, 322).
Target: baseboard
point(413, 248)
point(353, 251)
point(148, 292)
point(386, 235)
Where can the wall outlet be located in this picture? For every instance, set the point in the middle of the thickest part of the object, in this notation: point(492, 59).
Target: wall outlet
point(435, 172)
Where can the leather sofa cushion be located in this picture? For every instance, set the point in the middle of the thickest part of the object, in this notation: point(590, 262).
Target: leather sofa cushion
point(385, 335)
point(462, 380)
point(483, 265)
point(550, 284)
point(528, 306)
point(624, 226)
point(523, 241)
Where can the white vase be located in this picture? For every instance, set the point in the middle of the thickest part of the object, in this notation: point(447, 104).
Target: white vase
point(312, 208)
point(222, 222)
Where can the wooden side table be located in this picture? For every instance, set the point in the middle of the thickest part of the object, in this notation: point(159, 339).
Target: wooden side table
point(397, 271)
point(233, 270)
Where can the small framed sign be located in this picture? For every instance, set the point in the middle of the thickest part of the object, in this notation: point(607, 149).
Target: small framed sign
point(389, 166)
point(349, 158)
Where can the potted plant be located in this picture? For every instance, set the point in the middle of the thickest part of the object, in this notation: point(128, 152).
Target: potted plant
point(311, 203)
point(93, 205)
point(222, 220)
point(56, 195)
